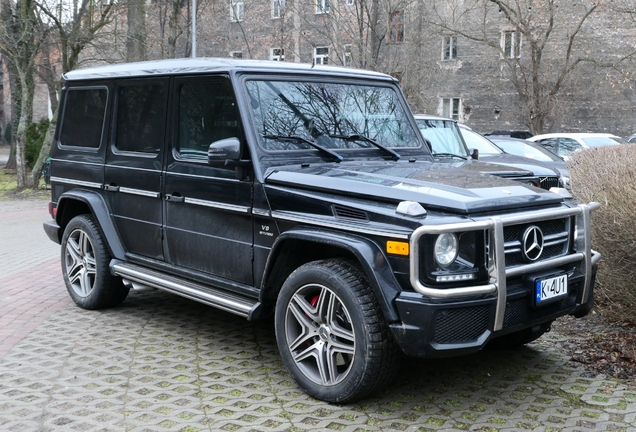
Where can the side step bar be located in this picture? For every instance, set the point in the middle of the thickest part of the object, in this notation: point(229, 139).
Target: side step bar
point(241, 306)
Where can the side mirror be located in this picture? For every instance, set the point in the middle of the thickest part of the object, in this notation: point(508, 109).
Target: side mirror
point(474, 153)
point(223, 151)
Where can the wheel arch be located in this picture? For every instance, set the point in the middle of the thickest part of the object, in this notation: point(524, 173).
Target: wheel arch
point(299, 246)
point(76, 202)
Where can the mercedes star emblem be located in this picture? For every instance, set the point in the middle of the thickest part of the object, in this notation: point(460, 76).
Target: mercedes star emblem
point(532, 243)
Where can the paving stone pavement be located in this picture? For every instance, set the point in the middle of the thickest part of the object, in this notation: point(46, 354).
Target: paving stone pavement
point(160, 362)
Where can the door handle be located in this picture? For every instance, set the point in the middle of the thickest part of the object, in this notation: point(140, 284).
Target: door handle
point(111, 187)
point(175, 198)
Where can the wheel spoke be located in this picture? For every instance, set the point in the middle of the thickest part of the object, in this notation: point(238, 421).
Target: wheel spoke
point(309, 310)
point(85, 282)
point(308, 328)
point(85, 244)
point(73, 249)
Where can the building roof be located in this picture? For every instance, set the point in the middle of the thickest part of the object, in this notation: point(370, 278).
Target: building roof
point(187, 66)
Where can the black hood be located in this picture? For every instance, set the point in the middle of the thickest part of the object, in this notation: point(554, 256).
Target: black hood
point(441, 186)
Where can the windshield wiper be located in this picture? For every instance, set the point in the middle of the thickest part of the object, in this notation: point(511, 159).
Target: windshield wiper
point(358, 137)
point(298, 139)
point(453, 155)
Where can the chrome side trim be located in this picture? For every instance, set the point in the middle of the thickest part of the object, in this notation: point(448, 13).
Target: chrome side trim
point(77, 162)
point(132, 168)
point(336, 224)
point(193, 291)
point(139, 192)
point(217, 205)
point(76, 182)
point(261, 212)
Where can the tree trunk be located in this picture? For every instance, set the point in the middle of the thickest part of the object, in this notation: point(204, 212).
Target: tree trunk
point(45, 152)
point(23, 123)
point(136, 40)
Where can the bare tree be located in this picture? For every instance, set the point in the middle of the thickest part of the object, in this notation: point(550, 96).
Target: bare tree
point(136, 37)
point(535, 28)
point(73, 33)
point(20, 43)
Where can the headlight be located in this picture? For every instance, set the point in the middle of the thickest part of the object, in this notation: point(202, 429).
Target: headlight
point(446, 248)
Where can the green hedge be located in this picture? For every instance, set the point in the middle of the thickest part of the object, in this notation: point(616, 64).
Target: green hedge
point(608, 176)
point(34, 139)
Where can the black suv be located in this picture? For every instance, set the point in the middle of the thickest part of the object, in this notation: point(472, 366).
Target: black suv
point(308, 193)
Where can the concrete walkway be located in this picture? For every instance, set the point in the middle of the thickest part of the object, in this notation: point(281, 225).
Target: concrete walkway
point(162, 363)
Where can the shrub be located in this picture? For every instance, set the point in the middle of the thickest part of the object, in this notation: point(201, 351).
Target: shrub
point(608, 176)
point(34, 139)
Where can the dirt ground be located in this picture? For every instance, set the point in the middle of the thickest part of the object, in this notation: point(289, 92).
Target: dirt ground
point(602, 347)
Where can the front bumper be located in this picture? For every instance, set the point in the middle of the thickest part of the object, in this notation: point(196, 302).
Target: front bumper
point(442, 322)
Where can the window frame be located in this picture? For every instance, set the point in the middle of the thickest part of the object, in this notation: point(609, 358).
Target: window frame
point(58, 138)
point(322, 7)
point(511, 49)
point(233, 54)
point(277, 8)
point(163, 82)
point(322, 57)
point(237, 10)
point(277, 57)
point(396, 28)
point(451, 103)
point(449, 45)
point(347, 55)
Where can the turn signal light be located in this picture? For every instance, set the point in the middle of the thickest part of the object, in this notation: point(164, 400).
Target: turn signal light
point(397, 248)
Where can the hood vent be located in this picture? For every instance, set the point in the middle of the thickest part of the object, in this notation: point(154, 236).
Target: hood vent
point(349, 213)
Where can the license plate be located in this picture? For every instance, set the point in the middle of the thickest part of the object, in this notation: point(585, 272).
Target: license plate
point(547, 289)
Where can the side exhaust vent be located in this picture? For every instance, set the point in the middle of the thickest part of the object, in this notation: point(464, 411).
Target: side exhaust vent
point(349, 213)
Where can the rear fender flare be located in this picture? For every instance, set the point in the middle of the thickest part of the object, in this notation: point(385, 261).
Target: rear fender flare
point(98, 207)
point(368, 254)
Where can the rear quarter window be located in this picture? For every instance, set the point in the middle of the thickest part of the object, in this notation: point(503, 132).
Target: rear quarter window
point(83, 121)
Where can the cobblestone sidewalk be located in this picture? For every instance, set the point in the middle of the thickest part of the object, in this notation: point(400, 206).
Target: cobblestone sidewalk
point(162, 363)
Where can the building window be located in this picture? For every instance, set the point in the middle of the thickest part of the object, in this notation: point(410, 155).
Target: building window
point(346, 58)
point(277, 8)
point(277, 54)
point(321, 55)
point(236, 11)
point(450, 107)
point(449, 48)
point(396, 27)
point(236, 54)
point(322, 6)
point(511, 44)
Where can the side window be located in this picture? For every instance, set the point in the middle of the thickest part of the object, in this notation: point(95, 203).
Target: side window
point(207, 113)
point(567, 146)
point(141, 115)
point(551, 144)
point(83, 120)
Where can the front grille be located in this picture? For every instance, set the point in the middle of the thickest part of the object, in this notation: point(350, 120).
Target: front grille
point(556, 239)
point(461, 325)
point(549, 182)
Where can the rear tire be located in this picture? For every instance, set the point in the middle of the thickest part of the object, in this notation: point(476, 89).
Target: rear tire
point(85, 260)
point(331, 332)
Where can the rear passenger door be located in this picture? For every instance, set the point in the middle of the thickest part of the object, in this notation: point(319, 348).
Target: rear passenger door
point(134, 164)
point(207, 209)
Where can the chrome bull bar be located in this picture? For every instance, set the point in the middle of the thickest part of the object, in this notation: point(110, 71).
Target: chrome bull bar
point(583, 255)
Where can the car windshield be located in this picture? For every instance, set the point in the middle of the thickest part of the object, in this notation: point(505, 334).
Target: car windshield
point(476, 141)
point(526, 150)
point(289, 115)
point(602, 141)
point(444, 136)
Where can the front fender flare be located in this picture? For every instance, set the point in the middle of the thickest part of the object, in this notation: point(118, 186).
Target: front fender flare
point(370, 256)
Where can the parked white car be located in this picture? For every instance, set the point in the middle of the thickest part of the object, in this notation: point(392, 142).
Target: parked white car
point(565, 143)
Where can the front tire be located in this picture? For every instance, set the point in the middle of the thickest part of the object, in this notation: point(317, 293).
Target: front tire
point(331, 332)
point(85, 260)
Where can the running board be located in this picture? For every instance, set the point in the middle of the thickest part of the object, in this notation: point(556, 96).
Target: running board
point(212, 297)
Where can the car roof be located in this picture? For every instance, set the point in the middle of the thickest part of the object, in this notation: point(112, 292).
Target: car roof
point(192, 66)
point(431, 117)
point(571, 135)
